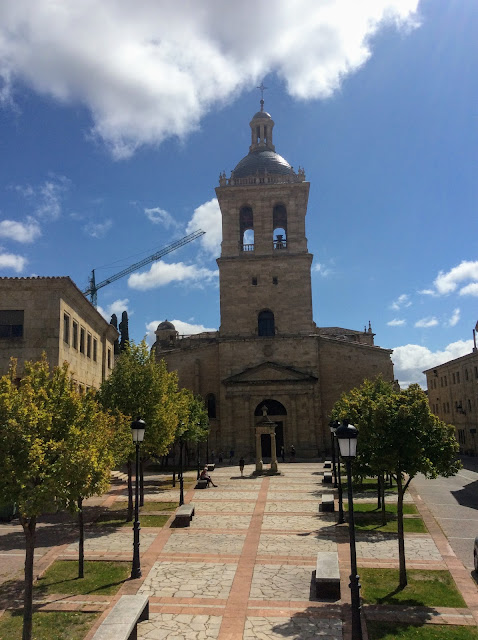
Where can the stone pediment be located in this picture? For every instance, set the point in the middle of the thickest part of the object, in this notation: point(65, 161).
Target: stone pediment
point(269, 373)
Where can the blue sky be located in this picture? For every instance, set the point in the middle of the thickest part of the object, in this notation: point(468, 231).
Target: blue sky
point(116, 120)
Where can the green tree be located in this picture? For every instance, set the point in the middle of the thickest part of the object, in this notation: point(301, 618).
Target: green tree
point(398, 434)
point(140, 386)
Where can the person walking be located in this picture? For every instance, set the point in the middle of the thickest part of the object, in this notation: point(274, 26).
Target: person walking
point(241, 466)
point(282, 453)
point(292, 453)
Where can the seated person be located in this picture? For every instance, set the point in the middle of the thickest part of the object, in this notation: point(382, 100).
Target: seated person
point(205, 476)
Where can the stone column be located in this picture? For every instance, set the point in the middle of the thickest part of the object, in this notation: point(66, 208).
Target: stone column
point(273, 450)
point(258, 452)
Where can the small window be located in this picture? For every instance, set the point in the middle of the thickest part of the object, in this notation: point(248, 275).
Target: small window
point(454, 379)
point(82, 340)
point(66, 328)
point(476, 372)
point(461, 436)
point(109, 358)
point(275, 280)
point(88, 346)
point(211, 405)
point(74, 342)
point(458, 377)
point(466, 374)
point(254, 282)
point(265, 323)
point(95, 349)
point(448, 407)
point(469, 405)
point(11, 324)
point(446, 382)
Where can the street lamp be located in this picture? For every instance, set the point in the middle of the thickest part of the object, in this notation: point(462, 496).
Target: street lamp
point(138, 427)
point(181, 481)
point(346, 434)
point(337, 471)
point(333, 424)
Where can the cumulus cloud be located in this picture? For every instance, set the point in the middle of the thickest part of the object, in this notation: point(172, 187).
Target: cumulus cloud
point(470, 289)
point(46, 198)
point(98, 229)
point(424, 323)
point(164, 273)
point(320, 268)
point(411, 359)
point(147, 71)
point(183, 328)
point(454, 319)
point(396, 323)
point(12, 261)
point(117, 306)
point(160, 216)
point(447, 282)
point(24, 232)
point(208, 218)
point(402, 301)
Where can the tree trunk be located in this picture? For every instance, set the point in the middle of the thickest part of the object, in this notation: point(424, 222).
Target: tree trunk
point(129, 515)
point(81, 545)
point(401, 539)
point(174, 478)
point(141, 483)
point(29, 526)
point(382, 491)
point(379, 491)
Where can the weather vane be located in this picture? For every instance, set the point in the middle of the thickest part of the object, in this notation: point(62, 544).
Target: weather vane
point(261, 87)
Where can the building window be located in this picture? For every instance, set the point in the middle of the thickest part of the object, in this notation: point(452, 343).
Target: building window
point(254, 282)
point(265, 322)
point(461, 436)
point(109, 358)
point(95, 349)
point(66, 328)
point(275, 280)
point(458, 377)
point(74, 343)
point(211, 405)
point(11, 324)
point(246, 229)
point(469, 405)
point(82, 340)
point(446, 382)
point(88, 346)
point(476, 372)
point(448, 407)
point(466, 374)
point(279, 225)
point(454, 379)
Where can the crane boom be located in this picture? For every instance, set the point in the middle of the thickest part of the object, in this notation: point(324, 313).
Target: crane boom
point(93, 286)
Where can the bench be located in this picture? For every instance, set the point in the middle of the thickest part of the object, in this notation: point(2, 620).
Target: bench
point(121, 623)
point(184, 515)
point(327, 479)
point(211, 466)
point(327, 575)
point(201, 484)
point(327, 502)
point(327, 464)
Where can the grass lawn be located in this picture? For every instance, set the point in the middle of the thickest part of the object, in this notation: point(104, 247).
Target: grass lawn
point(148, 506)
point(101, 577)
point(378, 630)
point(373, 522)
point(371, 507)
point(425, 588)
point(48, 625)
point(118, 519)
point(368, 484)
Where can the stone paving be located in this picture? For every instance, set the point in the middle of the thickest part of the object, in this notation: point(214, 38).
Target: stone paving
point(189, 580)
point(295, 545)
point(220, 522)
point(298, 523)
point(168, 626)
point(381, 545)
point(213, 543)
point(113, 540)
point(295, 628)
point(284, 582)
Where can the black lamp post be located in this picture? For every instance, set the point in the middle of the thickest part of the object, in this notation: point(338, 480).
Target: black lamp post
point(198, 463)
point(181, 482)
point(346, 434)
point(333, 424)
point(137, 429)
point(337, 471)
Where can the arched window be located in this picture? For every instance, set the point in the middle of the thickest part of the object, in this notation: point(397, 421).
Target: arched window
point(265, 323)
point(279, 223)
point(274, 408)
point(211, 405)
point(246, 229)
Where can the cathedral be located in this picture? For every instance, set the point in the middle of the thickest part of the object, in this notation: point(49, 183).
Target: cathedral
point(268, 361)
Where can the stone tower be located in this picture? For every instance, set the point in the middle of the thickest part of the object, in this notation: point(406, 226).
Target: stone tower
point(264, 268)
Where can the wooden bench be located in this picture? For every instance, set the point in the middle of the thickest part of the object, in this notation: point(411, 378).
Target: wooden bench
point(211, 466)
point(121, 623)
point(327, 502)
point(201, 484)
point(327, 479)
point(327, 575)
point(327, 464)
point(184, 515)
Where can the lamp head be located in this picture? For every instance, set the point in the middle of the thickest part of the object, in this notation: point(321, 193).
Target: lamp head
point(347, 434)
point(138, 427)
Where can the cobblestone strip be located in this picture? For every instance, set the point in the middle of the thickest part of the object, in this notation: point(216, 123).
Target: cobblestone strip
point(234, 617)
point(460, 575)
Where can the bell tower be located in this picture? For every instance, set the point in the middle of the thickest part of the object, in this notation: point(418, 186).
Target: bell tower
point(264, 267)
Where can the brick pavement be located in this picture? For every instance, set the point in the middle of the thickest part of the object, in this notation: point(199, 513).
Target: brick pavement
point(244, 569)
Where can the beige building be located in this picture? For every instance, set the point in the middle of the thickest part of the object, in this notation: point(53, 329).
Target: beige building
point(52, 315)
point(268, 350)
point(453, 397)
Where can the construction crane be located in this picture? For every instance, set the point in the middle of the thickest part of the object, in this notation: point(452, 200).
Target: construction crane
point(93, 287)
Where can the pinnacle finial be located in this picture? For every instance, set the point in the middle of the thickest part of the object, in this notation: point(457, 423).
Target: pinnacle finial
point(261, 87)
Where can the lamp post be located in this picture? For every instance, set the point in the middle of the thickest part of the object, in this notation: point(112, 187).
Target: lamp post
point(181, 483)
point(198, 463)
point(138, 427)
point(337, 472)
point(346, 434)
point(333, 424)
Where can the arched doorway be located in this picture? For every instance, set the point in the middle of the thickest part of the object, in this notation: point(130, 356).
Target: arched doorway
point(277, 413)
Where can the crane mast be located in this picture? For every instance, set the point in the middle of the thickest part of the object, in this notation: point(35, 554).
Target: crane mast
point(93, 286)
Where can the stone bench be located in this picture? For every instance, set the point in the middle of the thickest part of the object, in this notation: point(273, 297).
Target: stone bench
point(327, 479)
point(184, 515)
point(211, 466)
point(121, 623)
point(327, 502)
point(327, 464)
point(327, 575)
point(201, 484)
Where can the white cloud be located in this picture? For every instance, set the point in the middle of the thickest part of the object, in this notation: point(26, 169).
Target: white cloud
point(470, 289)
point(46, 198)
point(160, 216)
point(183, 328)
point(454, 319)
point(402, 301)
point(424, 323)
point(98, 229)
point(150, 70)
point(163, 273)
point(447, 282)
point(20, 231)
point(117, 306)
point(411, 359)
point(428, 292)
point(12, 261)
point(321, 269)
point(397, 323)
point(208, 218)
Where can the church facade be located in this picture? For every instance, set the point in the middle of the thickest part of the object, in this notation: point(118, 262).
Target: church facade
point(268, 351)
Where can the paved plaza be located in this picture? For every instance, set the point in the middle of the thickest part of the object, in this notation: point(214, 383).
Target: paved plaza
point(245, 567)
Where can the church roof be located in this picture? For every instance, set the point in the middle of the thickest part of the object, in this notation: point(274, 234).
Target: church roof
point(262, 161)
point(166, 325)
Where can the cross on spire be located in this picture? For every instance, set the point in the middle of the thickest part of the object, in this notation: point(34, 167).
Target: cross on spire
point(261, 87)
